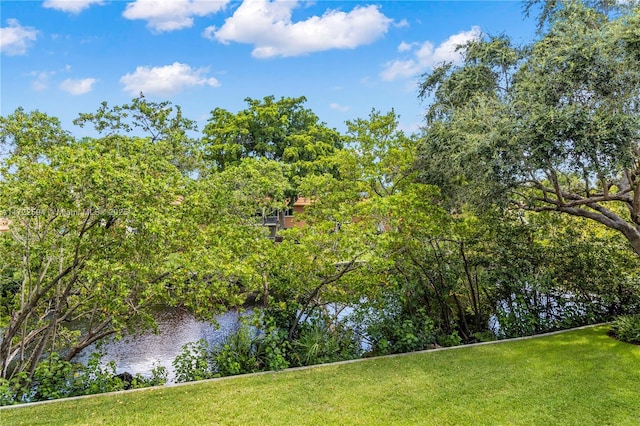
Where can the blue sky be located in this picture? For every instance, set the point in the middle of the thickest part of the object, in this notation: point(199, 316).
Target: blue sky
point(64, 57)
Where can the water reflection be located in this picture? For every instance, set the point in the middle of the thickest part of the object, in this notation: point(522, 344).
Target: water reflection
point(176, 327)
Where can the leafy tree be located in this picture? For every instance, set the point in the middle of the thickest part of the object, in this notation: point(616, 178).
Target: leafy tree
point(428, 258)
point(385, 155)
point(547, 9)
point(548, 127)
point(100, 233)
point(30, 134)
point(546, 272)
point(161, 122)
point(282, 130)
point(232, 245)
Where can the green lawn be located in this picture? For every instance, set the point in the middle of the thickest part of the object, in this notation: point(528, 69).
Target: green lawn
point(580, 377)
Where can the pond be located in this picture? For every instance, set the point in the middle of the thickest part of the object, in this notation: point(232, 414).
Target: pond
point(176, 327)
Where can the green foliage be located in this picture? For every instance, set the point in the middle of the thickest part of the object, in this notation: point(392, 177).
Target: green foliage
point(56, 378)
point(452, 339)
point(429, 261)
point(313, 345)
point(274, 345)
point(318, 344)
point(98, 378)
point(391, 329)
point(281, 130)
point(551, 272)
point(193, 362)
point(384, 154)
point(241, 352)
point(30, 134)
point(263, 346)
point(246, 350)
point(626, 328)
point(549, 126)
point(15, 390)
point(161, 122)
point(549, 9)
point(98, 233)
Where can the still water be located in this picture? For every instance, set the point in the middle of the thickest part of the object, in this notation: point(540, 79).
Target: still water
point(176, 327)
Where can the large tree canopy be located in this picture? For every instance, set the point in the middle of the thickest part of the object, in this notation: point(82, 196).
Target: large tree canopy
point(100, 232)
point(282, 130)
point(550, 126)
point(161, 122)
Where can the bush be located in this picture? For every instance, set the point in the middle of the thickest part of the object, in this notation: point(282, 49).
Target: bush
point(15, 390)
point(96, 378)
point(626, 328)
point(318, 344)
point(274, 345)
point(393, 330)
point(193, 362)
point(247, 350)
point(447, 340)
point(55, 378)
point(241, 352)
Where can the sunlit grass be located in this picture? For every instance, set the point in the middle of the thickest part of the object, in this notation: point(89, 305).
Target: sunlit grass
point(579, 377)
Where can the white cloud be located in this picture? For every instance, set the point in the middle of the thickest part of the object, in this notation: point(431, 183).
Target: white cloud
point(210, 32)
point(268, 26)
point(426, 56)
point(77, 87)
point(170, 15)
point(404, 47)
point(41, 81)
point(16, 39)
point(338, 107)
point(165, 80)
point(71, 6)
point(42, 78)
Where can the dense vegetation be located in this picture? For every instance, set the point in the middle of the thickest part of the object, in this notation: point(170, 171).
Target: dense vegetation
point(515, 211)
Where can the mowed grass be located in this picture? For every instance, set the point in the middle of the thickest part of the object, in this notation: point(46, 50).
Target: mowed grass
point(580, 377)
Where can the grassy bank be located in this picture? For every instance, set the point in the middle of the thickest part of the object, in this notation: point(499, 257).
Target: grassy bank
point(579, 377)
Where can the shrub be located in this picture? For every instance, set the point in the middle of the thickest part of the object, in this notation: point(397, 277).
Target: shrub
point(393, 330)
point(96, 378)
point(626, 328)
point(447, 340)
point(55, 378)
point(275, 345)
point(240, 353)
point(15, 390)
point(259, 347)
point(318, 344)
point(251, 348)
point(193, 362)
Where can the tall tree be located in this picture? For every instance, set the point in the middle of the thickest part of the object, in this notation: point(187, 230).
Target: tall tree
point(281, 130)
point(162, 122)
point(385, 154)
point(100, 232)
point(549, 127)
